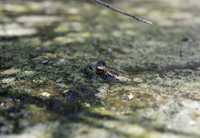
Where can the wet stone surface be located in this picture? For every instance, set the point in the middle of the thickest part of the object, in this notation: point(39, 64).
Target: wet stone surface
point(68, 72)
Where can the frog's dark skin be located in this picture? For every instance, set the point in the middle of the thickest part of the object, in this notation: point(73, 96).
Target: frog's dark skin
point(101, 70)
point(105, 72)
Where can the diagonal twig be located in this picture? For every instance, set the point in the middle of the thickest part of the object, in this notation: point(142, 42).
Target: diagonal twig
point(122, 12)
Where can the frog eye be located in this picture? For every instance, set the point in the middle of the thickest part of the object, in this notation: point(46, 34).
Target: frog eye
point(100, 69)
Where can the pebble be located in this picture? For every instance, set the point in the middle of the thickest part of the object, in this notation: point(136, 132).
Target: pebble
point(129, 97)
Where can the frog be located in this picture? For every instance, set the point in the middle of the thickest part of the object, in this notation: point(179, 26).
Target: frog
point(100, 70)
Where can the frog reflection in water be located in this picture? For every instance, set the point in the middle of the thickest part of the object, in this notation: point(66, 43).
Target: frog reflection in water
point(101, 70)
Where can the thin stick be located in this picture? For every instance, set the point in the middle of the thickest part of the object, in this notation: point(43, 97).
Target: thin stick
point(122, 12)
